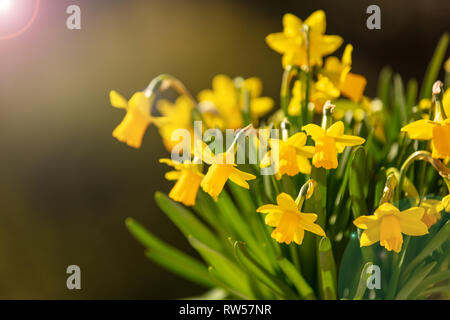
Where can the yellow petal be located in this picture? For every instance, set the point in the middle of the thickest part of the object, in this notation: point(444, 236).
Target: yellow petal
point(273, 218)
point(280, 42)
point(254, 86)
point(420, 130)
point(386, 209)
point(312, 227)
point(390, 233)
point(314, 131)
point(202, 151)
point(441, 141)
point(172, 175)
point(117, 100)
point(139, 102)
point(347, 55)
point(354, 86)
point(268, 208)
point(240, 177)
point(297, 140)
point(446, 102)
point(299, 234)
point(411, 222)
point(292, 25)
point(329, 44)
point(336, 130)
point(349, 141)
point(303, 165)
point(317, 22)
point(286, 202)
point(261, 106)
point(365, 222)
point(370, 236)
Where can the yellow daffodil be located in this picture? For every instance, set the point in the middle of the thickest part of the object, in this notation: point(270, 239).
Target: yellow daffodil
point(387, 225)
point(222, 168)
point(290, 224)
point(320, 91)
point(226, 103)
point(433, 210)
point(445, 204)
point(177, 116)
point(292, 44)
point(292, 156)
point(350, 84)
point(188, 176)
point(437, 132)
point(132, 128)
point(330, 142)
point(259, 106)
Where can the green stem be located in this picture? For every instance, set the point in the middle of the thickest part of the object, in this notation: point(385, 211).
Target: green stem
point(397, 264)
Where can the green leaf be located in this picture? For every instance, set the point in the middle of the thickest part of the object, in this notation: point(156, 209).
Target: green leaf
point(254, 269)
point(362, 285)
point(442, 236)
point(429, 281)
point(226, 270)
point(434, 67)
point(186, 221)
point(415, 280)
point(297, 279)
point(384, 84)
point(170, 257)
point(327, 270)
point(399, 100)
point(411, 94)
point(357, 182)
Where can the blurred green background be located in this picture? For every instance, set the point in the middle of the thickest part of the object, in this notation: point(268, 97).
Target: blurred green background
point(66, 186)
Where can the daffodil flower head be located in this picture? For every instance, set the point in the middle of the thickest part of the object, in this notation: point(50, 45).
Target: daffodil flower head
point(188, 176)
point(330, 142)
point(289, 222)
point(292, 156)
point(438, 133)
point(387, 225)
point(133, 126)
point(292, 42)
point(222, 168)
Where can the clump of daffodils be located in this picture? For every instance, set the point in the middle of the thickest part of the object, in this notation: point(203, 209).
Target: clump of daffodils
point(304, 198)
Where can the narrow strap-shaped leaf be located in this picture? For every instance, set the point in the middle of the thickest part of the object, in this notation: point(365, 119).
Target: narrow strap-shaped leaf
point(254, 268)
point(362, 285)
point(327, 270)
point(415, 280)
point(384, 84)
point(227, 271)
point(442, 236)
point(400, 100)
point(434, 67)
point(170, 257)
point(357, 181)
point(411, 94)
point(297, 279)
point(186, 221)
point(429, 281)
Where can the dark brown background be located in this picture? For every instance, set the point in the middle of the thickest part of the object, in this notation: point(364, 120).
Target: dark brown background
point(66, 185)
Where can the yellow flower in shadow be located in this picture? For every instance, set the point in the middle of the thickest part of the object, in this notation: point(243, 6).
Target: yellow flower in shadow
point(222, 168)
point(330, 142)
point(188, 177)
point(437, 132)
point(290, 224)
point(132, 128)
point(387, 225)
point(292, 44)
point(292, 156)
point(433, 210)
